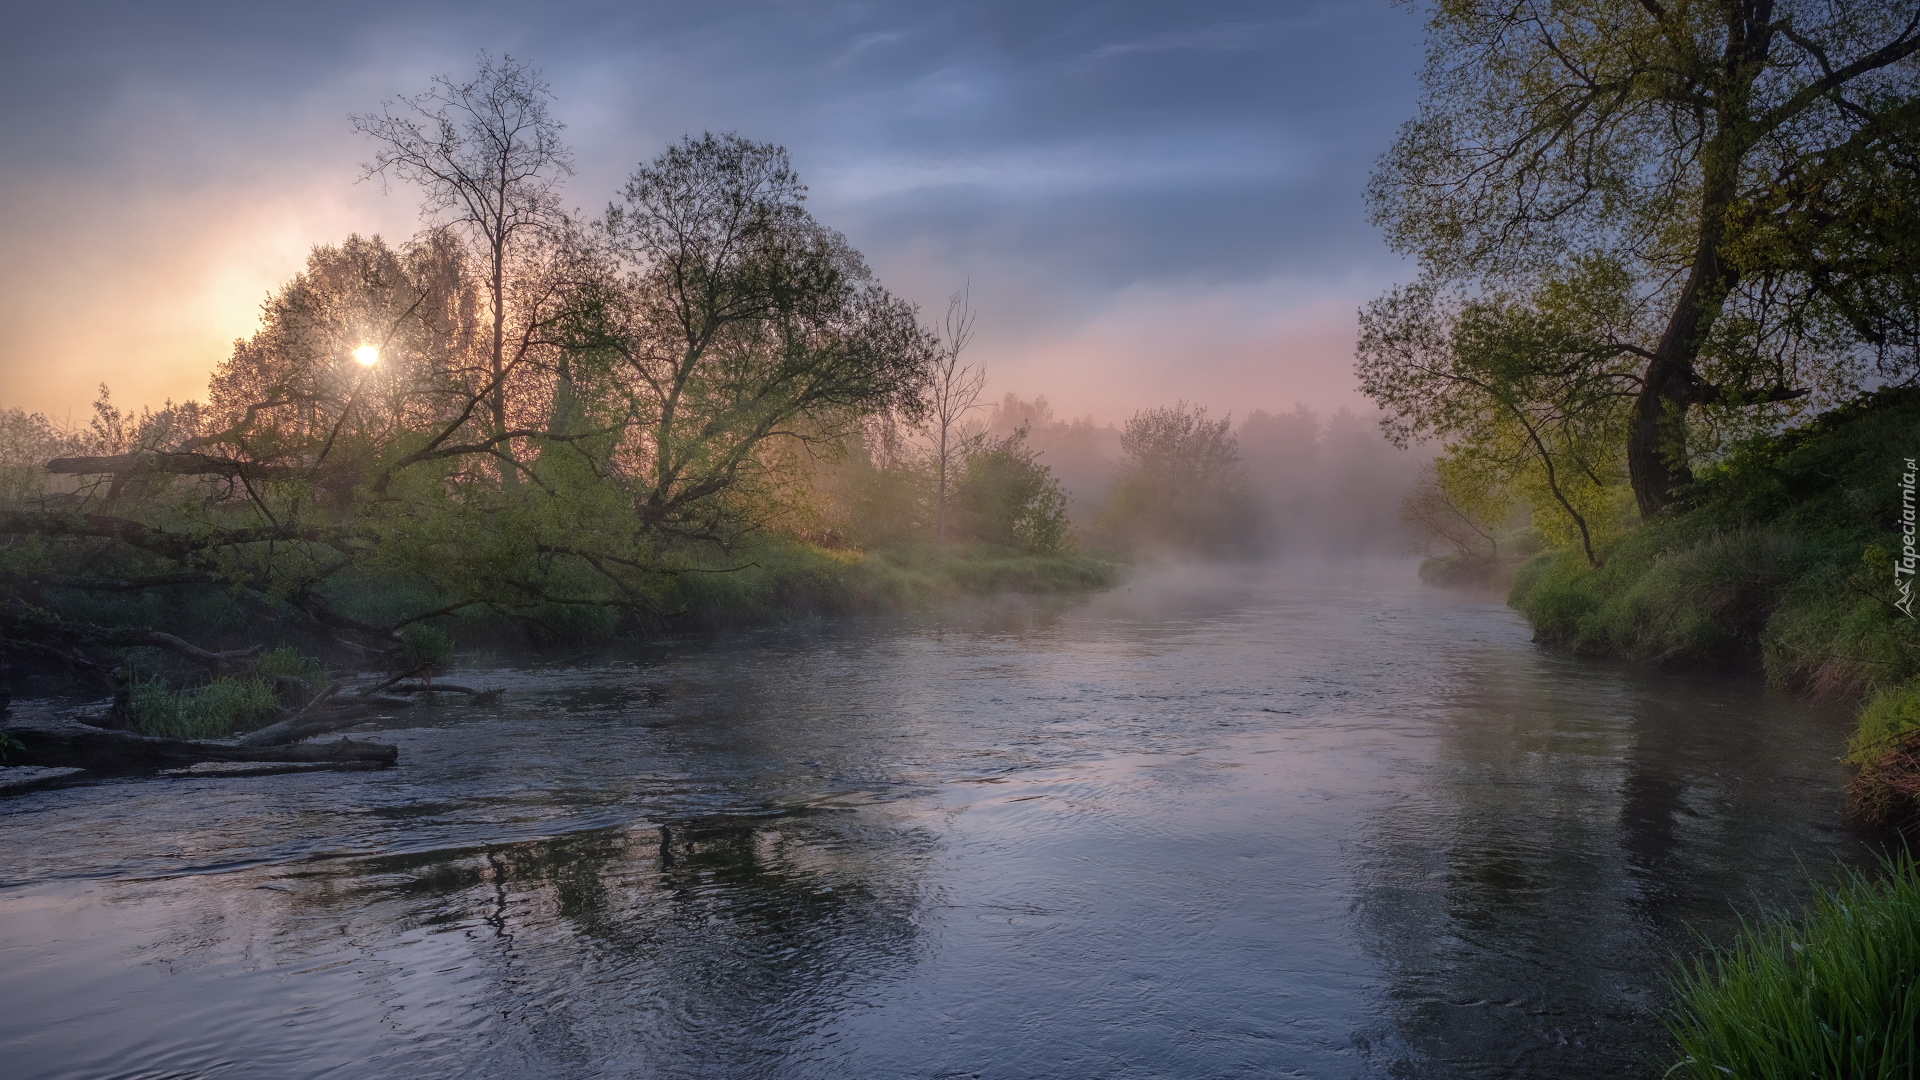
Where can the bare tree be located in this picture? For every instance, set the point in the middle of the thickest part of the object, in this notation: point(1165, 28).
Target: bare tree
point(488, 155)
point(955, 393)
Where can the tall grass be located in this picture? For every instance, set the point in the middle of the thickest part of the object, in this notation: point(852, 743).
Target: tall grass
point(286, 660)
point(1833, 994)
point(203, 712)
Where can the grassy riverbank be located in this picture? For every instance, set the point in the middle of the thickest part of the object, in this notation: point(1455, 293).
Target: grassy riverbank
point(1835, 993)
point(1781, 561)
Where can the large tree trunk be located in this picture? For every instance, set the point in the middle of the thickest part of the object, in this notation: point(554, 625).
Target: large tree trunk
point(1657, 441)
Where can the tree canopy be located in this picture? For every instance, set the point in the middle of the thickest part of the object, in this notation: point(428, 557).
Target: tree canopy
point(1737, 177)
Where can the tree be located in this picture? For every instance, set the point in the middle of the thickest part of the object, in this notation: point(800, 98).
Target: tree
point(953, 393)
point(1748, 165)
point(488, 156)
point(737, 324)
point(1435, 514)
point(1181, 485)
point(1006, 496)
point(1528, 391)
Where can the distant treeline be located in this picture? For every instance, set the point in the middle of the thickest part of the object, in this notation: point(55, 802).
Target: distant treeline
point(1175, 480)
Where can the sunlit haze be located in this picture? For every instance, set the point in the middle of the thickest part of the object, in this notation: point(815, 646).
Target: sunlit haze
point(1147, 202)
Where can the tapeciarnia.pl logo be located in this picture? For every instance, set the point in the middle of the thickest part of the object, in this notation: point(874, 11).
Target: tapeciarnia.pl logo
point(1903, 566)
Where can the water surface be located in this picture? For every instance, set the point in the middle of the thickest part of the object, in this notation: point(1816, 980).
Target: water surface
point(1318, 823)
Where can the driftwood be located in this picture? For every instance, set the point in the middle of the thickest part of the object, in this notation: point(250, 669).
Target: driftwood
point(317, 720)
point(331, 713)
point(77, 746)
point(480, 697)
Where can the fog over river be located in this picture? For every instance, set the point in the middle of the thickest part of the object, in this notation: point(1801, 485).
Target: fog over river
point(1234, 822)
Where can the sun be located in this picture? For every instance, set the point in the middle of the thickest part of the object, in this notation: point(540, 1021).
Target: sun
point(367, 355)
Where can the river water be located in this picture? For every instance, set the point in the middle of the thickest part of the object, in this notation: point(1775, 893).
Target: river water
point(1242, 822)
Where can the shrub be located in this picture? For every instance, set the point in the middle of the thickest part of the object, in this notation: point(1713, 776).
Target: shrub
point(290, 662)
point(425, 646)
point(1006, 497)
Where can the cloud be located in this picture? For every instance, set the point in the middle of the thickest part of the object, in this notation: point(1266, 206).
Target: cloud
point(1147, 161)
point(1167, 196)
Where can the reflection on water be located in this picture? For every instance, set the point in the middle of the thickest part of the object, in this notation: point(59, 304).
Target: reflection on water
point(1224, 824)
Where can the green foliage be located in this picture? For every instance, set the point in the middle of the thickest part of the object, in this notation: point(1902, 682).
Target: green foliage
point(1182, 489)
point(425, 646)
point(787, 580)
point(1778, 559)
point(290, 662)
point(1889, 714)
point(9, 744)
point(211, 711)
point(287, 660)
point(1834, 995)
point(1704, 600)
point(1748, 226)
point(1523, 391)
point(1005, 496)
point(565, 431)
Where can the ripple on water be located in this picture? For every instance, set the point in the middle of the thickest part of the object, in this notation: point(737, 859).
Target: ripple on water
point(1236, 822)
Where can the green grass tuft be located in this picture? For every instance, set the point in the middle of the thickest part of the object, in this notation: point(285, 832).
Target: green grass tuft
point(1834, 995)
point(1889, 714)
point(289, 661)
point(204, 712)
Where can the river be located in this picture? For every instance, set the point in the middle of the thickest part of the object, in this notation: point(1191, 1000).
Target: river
point(1320, 822)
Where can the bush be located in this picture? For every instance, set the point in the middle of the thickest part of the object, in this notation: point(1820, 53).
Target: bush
point(290, 662)
point(1835, 994)
point(1182, 489)
point(1777, 559)
point(1006, 497)
point(425, 646)
point(788, 580)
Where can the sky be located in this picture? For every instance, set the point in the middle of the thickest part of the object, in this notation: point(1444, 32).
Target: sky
point(1146, 201)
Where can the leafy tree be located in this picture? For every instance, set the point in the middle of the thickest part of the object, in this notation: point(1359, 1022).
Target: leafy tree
point(1006, 496)
point(733, 322)
point(1528, 393)
point(1748, 166)
point(1181, 486)
point(662, 378)
point(1435, 514)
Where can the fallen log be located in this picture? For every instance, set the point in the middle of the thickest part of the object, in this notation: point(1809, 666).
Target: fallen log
point(77, 746)
point(309, 723)
point(480, 697)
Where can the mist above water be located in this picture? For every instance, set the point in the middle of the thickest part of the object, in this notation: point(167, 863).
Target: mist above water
point(1227, 820)
point(1316, 485)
